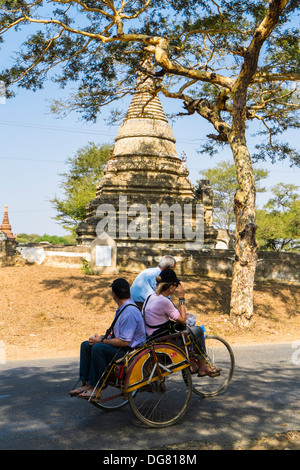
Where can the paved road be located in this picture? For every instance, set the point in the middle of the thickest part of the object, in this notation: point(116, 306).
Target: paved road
point(37, 413)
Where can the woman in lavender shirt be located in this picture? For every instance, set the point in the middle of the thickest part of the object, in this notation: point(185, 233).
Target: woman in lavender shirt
point(158, 310)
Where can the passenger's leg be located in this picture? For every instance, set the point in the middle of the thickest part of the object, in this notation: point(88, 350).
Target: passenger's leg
point(84, 369)
point(102, 354)
point(85, 361)
point(199, 336)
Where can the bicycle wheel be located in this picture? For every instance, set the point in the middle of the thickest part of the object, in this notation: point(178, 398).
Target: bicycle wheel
point(111, 398)
point(218, 354)
point(163, 402)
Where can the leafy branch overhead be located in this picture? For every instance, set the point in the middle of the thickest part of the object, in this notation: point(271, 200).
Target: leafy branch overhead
point(205, 53)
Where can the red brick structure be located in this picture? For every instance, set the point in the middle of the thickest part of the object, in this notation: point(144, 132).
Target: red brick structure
point(6, 227)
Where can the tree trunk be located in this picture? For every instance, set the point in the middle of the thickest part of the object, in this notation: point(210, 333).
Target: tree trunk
point(246, 247)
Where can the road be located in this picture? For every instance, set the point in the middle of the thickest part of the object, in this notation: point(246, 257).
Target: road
point(36, 412)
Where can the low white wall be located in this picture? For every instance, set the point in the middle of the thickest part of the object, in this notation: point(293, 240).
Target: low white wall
point(61, 257)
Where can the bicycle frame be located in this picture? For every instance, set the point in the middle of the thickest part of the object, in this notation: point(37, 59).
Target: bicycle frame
point(144, 377)
point(136, 377)
point(127, 374)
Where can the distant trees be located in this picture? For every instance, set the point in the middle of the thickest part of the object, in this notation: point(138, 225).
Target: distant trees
point(278, 223)
point(27, 238)
point(53, 239)
point(79, 184)
point(223, 180)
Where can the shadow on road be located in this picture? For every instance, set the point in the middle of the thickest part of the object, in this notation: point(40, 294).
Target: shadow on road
point(36, 411)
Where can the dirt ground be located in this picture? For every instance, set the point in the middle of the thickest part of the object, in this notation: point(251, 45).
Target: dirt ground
point(47, 312)
point(280, 441)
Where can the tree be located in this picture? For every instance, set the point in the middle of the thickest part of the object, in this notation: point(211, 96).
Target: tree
point(27, 238)
point(53, 239)
point(230, 62)
point(80, 184)
point(35, 238)
point(223, 180)
point(278, 223)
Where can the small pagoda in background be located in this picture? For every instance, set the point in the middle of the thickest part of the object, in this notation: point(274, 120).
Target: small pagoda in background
point(6, 227)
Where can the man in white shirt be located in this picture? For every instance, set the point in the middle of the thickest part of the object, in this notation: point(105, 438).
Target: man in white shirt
point(145, 283)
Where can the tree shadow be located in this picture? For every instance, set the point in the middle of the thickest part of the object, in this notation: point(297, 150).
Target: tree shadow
point(274, 300)
point(37, 413)
point(89, 289)
point(208, 295)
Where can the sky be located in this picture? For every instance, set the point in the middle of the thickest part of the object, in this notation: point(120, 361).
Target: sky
point(35, 146)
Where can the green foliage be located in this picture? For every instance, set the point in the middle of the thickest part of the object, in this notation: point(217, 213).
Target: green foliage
point(79, 184)
point(278, 223)
point(27, 238)
point(87, 268)
point(223, 180)
point(97, 47)
point(53, 239)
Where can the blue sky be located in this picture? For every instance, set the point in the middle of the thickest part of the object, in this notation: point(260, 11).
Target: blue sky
point(35, 146)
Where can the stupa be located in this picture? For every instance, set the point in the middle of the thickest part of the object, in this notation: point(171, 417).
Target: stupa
point(145, 171)
point(6, 227)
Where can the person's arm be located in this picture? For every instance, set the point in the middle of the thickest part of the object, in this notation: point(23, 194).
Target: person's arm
point(116, 342)
point(182, 316)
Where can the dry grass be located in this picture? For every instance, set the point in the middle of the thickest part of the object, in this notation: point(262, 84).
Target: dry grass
point(47, 312)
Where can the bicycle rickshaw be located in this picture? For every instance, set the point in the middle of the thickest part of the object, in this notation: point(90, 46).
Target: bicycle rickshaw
point(156, 381)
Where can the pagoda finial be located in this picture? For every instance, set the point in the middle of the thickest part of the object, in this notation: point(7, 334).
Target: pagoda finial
point(145, 81)
point(145, 102)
